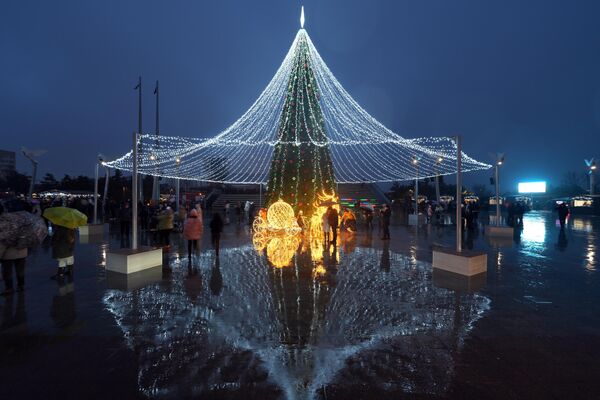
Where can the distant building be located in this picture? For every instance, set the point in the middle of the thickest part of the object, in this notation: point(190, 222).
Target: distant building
point(7, 162)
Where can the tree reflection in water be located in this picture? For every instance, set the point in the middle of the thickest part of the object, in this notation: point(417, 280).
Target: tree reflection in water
point(364, 317)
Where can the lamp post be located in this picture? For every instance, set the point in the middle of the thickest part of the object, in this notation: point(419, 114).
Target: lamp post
point(29, 155)
point(178, 162)
point(416, 164)
point(134, 194)
point(96, 195)
point(592, 169)
point(438, 162)
point(458, 194)
point(155, 183)
point(499, 162)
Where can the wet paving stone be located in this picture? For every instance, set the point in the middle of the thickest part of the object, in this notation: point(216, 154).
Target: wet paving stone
point(368, 319)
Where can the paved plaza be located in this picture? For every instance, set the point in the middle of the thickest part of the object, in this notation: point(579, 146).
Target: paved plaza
point(369, 319)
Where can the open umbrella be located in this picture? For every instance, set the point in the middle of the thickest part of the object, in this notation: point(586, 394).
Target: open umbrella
point(21, 229)
point(65, 216)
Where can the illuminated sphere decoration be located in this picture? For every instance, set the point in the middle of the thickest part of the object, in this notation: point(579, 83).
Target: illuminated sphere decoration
point(280, 216)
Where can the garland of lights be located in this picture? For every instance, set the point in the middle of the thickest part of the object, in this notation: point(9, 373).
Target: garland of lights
point(361, 148)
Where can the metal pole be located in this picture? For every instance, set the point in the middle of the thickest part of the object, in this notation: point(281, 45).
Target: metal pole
point(140, 132)
point(458, 194)
point(105, 197)
point(417, 191)
point(591, 182)
point(32, 183)
point(96, 196)
point(134, 195)
point(177, 196)
point(155, 188)
point(497, 196)
point(437, 186)
point(260, 195)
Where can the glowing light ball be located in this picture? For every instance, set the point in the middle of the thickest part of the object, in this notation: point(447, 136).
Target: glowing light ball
point(280, 215)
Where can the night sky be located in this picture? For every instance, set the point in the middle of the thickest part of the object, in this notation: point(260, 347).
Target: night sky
point(520, 77)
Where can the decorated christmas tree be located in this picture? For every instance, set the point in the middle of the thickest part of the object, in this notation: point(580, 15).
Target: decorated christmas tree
point(301, 167)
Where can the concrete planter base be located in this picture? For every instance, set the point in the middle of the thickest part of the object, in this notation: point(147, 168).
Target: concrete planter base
point(128, 261)
point(492, 230)
point(416, 219)
point(466, 263)
point(459, 283)
point(93, 229)
point(133, 281)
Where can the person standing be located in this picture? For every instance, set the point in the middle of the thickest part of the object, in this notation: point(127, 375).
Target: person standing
point(325, 227)
point(192, 231)
point(563, 212)
point(386, 215)
point(216, 227)
point(12, 258)
point(63, 245)
point(333, 219)
point(125, 220)
point(165, 226)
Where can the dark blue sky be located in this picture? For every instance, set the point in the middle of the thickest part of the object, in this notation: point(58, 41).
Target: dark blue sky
point(522, 77)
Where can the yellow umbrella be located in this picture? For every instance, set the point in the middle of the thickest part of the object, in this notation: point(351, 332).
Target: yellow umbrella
point(65, 216)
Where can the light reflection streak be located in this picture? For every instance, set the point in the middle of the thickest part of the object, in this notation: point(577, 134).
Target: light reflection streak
point(303, 323)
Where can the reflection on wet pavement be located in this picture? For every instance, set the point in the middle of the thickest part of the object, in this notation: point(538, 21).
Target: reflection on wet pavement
point(300, 327)
point(367, 319)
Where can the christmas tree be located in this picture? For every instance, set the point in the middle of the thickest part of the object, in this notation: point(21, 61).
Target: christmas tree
point(301, 166)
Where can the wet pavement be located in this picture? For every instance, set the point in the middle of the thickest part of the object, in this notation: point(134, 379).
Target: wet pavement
point(367, 320)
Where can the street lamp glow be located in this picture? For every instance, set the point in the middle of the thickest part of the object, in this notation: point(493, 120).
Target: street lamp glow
point(439, 160)
point(178, 160)
point(152, 157)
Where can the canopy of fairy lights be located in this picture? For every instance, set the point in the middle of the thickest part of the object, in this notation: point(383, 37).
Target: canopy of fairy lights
point(361, 148)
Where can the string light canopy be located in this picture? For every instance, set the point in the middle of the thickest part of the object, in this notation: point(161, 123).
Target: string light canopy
point(361, 148)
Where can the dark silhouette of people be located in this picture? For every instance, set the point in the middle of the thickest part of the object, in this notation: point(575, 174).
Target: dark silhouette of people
point(333, 219)
point(125, 218)
point(216, 228)
point(385, 257)
point(563, 212)
point(386, 215)
point(216, 279)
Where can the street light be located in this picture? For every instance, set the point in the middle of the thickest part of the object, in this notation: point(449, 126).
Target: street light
point(499, 162)
point(591, 164)
point(415, 161)
point(438, 162)
point(178, 163)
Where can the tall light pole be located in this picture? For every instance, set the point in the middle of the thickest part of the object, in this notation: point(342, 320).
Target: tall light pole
point(30, 154)
point(499, 162)
point(458, 194)
point(438, 162)
point(134, 195)
point(155, 188)
point(178, 162)
point(591, 164)
point(138, 87)
point(96, 195)
point(416, 164)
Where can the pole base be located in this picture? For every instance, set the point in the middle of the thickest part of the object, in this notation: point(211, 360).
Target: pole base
point(506, 231)
point(93, 229)
point(133, 281)
point(459, 283)
point(416, 219)
point(128, 261)
point(466, 262)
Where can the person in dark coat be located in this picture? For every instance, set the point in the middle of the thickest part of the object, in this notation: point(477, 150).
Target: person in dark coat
point(12, 257)
point(386, 215)
point(333, 219)
point(63, 245)
point(563, 212)
point(125, 218)
point(216, 227)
